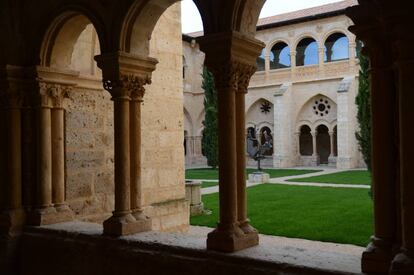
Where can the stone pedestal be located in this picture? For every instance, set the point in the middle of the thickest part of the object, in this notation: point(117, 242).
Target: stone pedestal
point(193, 196)
point(259, 177)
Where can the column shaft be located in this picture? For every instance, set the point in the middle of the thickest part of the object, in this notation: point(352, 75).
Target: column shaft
point(135, 155)
point(406, 117)
point(14, 188)
point(331, 136)
point(58, 157)
point(227, 157)
point(314, 147)
point(241, 158)
point(122, 156)
point(44, 187)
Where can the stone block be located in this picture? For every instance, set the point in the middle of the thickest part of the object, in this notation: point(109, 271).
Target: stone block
point(259, 177)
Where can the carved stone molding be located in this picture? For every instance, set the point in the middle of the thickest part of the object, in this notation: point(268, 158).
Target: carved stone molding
point(52, 94)
point(234, 74)
point(134, 84)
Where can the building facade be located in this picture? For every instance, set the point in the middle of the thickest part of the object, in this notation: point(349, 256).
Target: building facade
point(302, 95)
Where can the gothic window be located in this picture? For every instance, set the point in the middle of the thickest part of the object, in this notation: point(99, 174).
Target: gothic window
point(307, 52)
point(280, 56)
point(336, 47)
point(261, 61)
point(266, 107)
point(322, 107)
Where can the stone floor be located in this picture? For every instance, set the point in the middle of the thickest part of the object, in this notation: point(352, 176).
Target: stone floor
point(274, 255)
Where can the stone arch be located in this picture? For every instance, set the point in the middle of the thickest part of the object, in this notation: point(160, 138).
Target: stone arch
point(240, 16)
point(139, 24)
point(303, 36)
point(305, 140)
point(307, 51)
point(336, 47)
point(323, 143)
point(61, 38)
point(256, 113)
point(188, 122)
point(310, 113)
point(280, 53)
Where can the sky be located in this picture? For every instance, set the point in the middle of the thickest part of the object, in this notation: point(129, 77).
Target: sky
point(191, 20)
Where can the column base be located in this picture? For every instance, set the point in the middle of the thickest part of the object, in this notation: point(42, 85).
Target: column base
point(144, 221)
point(11, 222)
point(125, 225)
point(49, 215)
point(231, 240)
point(403, 263)
point(377, 257)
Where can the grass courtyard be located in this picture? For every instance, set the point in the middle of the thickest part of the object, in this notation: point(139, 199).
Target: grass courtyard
point(337, 215)
point(212, 174)
point(346, 177)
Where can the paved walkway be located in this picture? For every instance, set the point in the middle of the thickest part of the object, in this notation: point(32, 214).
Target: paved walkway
point(285, 180)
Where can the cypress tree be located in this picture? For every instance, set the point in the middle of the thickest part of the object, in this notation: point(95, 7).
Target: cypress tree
point(210, 135)
point(363, 101)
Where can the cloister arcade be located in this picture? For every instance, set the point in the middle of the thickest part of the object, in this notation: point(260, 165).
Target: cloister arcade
point(32, 149)
point(335, 48)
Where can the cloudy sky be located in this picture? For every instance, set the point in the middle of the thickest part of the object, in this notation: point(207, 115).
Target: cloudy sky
point(192, 22)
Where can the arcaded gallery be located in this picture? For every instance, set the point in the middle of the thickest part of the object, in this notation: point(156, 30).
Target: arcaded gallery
point(92, 162)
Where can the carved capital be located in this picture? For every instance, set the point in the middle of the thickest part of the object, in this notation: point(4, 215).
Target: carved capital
point(52, 94)
point(134, 84)
point(235, 75)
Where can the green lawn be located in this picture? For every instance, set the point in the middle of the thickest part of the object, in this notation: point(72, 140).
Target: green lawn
point(347, 177)
point(208, 184)
point(337, 215)
point(212, 174)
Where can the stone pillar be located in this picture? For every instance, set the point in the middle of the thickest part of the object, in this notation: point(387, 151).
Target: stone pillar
point(227, 55)
point(137, 96)
point(124, 76)
point(293, 59)
point(58, 93)
point(50, 157)
point(245, 74)
point(331, 137)
point(11, 212)
point(403, 262)
point(379, 253)
point(314, 147)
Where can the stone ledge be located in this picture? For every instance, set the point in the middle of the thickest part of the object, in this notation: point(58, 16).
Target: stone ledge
point(62, 249)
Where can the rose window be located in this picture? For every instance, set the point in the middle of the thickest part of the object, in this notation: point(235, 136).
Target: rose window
point(321, 107)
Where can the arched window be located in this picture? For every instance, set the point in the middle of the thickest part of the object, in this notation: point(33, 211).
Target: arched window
point(323, 144)
point(261, 61)
point(305, 141)
point(307, 52)
point(266, 140)
point(336, 47)
point(280, 56)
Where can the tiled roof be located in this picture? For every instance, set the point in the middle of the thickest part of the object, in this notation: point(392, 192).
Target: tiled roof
point(297, 15)
point(328, 8)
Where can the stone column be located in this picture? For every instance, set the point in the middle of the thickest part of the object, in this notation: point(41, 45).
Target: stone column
point(58, 93)
point(293, 59)
point(245, 74)
point(332, 137)
point(11, 212)
point(227, 55)
point(403, 262)
point(49, 202)
point(297, 142)
point(124, 76)
point(122, 222)
point(379, 253)
point(314, 147)
point(43, 213)
point(137, 96)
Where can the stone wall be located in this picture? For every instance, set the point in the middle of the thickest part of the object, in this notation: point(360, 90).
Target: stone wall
point(90, 138)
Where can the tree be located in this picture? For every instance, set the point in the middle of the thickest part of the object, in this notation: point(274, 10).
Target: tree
point(210, 135)
point(363, 102)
